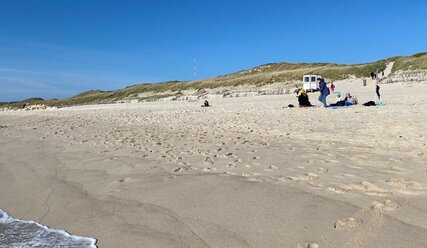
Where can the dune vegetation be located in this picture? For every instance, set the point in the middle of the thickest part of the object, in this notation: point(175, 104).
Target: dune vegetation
point(288, 73)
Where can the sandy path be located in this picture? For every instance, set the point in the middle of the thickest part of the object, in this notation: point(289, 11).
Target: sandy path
point(247, 172)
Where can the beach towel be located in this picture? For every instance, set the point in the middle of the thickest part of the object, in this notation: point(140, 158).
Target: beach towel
point(338, 107)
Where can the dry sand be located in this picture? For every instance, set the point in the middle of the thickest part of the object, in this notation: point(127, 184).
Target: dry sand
point(247, 172)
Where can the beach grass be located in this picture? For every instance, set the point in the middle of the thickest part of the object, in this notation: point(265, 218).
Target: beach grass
point(288, 73)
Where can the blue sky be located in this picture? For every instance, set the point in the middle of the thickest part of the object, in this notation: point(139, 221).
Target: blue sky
point(59, 48)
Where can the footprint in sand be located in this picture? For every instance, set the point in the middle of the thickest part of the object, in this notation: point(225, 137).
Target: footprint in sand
point(400, 169)
point(405, 186)
point(309, 245)
point(372, 189)
point(183, 168)
point(333, 161)
point(231, 165)
point(296, 168)
point(404, 183)
point(254, 179)
point(340, 189)
point(229, 155)
point(127, 179)
point(344, 175)
point(306, 177)
point(209, 160)
point(312, 245)
point(294, 178)
point(386, 205)
point(283, 179)
point(322, 170)
point(271, 168)
point(312, 176)
point(347, 223)
point(354, 167)
point(316, 185)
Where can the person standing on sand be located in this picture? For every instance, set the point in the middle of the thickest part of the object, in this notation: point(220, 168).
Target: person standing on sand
point(372, 75)
point(332, 86)
point(324, 91)
point(377, 90)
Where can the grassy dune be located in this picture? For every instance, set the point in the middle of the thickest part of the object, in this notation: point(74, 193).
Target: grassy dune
point(258, 76)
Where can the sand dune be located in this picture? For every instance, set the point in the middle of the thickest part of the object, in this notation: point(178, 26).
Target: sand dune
point(247, 172)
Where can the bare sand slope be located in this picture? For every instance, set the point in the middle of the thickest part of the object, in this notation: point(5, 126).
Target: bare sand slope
point(247, 172)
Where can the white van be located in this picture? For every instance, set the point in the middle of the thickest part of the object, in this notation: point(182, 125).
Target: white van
point(310, 82)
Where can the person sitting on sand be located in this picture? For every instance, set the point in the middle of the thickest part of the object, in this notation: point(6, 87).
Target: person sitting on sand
point(303, 99)
point(338, 95)
point(347, 101)
point(350, 100)
point(206, 104)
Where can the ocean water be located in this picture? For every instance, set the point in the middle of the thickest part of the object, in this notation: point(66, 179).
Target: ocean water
point(22, 234)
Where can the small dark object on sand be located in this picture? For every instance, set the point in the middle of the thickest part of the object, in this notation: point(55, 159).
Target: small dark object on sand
point(206, 104)
point(370, 103)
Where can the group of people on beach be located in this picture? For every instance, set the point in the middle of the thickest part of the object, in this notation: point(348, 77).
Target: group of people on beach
point(325, 91)
point(375, 75)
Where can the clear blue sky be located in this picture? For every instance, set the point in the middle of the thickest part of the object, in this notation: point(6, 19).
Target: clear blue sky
point(58, 48)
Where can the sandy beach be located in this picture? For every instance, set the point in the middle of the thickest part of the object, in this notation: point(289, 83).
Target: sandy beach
point(246, 172)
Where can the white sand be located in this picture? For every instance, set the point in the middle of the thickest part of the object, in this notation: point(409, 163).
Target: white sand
point(247, 172)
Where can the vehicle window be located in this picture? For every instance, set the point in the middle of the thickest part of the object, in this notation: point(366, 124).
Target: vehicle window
point(306, 79)
point(313, 79)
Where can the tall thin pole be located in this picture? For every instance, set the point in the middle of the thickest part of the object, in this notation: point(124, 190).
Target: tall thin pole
point(194, 68)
